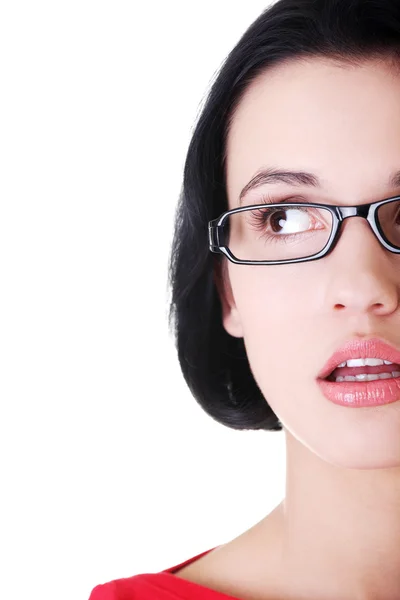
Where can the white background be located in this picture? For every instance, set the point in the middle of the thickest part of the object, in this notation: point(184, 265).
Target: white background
point(109, 467)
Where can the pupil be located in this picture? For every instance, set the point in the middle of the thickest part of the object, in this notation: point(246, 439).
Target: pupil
point(278, 216)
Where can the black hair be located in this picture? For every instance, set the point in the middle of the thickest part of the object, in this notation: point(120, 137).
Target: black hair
point(214, 363)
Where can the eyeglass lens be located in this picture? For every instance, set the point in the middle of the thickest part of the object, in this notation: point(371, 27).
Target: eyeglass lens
point(292, 231)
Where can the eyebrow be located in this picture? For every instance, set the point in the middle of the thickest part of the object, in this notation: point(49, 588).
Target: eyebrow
point(295, 178)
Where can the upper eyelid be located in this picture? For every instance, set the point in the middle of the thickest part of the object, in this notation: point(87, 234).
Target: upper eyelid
point(268, 198)
point(272, 198)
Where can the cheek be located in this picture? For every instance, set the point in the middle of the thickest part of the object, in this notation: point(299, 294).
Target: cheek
point(282, 338)
point(268, 303)
point(277, 318)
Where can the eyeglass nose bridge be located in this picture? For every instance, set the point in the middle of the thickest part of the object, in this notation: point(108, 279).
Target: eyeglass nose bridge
point(355, 211)
point(366, 211)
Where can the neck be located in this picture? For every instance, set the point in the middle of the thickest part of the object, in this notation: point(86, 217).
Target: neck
point(340, 528)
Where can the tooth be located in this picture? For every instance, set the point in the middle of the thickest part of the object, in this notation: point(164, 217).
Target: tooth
point(358, 362)
point(355, 362)
point(364, 362)
point(368, 377)
point(373, 362)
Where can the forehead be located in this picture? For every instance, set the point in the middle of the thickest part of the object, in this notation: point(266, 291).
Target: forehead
point(316, 115)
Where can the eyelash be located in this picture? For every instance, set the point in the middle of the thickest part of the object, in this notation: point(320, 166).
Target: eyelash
point(262, 216)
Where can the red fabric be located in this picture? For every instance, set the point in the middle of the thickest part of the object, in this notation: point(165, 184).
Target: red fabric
point(157, 586)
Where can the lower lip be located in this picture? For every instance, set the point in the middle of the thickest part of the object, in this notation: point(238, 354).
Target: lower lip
point(363, 393)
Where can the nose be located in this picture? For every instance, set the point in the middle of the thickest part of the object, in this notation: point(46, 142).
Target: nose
point(364, 274)
point(360, 235)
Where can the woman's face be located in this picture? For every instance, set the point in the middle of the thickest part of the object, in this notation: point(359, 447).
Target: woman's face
point(343, 125)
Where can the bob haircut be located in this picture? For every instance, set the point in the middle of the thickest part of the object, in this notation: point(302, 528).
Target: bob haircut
point(214, 363)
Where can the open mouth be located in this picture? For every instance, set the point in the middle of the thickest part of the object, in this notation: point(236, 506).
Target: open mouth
point(365, 373)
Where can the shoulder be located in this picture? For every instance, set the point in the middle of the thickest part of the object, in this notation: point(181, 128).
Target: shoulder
point(120, 589)
point(144, 586)
point(147, 586)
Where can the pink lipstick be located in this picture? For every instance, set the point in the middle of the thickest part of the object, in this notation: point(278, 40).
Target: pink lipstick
point(361, 393)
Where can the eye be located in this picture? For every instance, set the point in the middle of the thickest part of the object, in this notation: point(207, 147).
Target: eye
point(284, 220)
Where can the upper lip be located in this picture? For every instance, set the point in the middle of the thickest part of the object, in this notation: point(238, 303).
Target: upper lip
point(356, 348)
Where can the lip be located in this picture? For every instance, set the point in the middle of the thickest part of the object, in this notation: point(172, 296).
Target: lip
point(365, 393)
point(361, 394)
point(356, 348)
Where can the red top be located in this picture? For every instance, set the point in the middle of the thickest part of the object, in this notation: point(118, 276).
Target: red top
point(157, 586)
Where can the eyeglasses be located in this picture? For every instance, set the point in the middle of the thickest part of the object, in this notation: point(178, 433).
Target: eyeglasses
point(251, 235)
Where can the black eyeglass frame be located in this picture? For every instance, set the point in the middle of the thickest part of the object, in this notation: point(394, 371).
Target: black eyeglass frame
point(339, 214)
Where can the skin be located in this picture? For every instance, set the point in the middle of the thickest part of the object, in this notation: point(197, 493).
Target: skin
point(336, 534)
